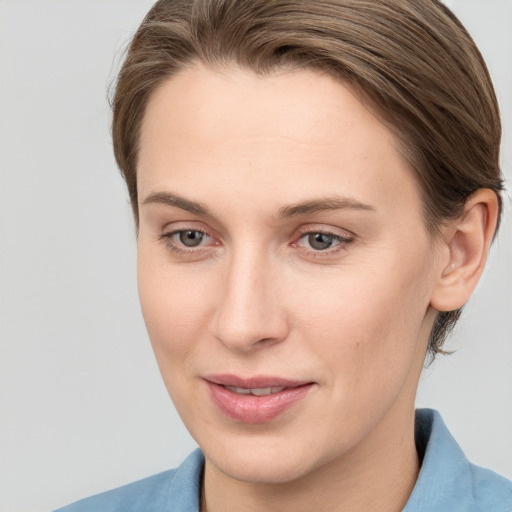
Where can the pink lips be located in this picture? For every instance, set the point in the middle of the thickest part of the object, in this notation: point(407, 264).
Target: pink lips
point(249, 408)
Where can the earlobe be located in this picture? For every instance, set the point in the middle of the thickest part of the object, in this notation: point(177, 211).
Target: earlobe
point(466, 241)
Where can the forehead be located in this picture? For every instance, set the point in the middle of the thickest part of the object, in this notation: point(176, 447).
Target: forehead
point(280, 136)
point(210, 105)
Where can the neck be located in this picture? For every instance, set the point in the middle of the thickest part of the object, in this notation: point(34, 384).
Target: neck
point(378, 475)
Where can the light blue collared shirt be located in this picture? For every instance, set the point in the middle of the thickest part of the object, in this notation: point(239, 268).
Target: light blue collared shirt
point(447, 482)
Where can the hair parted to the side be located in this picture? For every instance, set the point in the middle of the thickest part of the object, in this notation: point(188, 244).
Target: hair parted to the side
point(412, 61)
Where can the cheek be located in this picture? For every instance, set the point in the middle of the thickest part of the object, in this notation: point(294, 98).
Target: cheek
point(365, 326)
point(172, 311)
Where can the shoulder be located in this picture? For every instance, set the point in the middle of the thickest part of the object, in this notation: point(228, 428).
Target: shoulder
point(447, 480)
point(131, 497)
point(490, 490)
point(179, 487)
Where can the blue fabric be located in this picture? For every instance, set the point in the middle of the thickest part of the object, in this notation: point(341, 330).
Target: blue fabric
point(176, 490)
point(447, 482)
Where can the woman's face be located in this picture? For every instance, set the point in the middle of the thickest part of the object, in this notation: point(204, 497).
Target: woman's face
point(281, 249)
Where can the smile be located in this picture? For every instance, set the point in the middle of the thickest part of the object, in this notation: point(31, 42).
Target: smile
point(255, 391)
point(255, 400)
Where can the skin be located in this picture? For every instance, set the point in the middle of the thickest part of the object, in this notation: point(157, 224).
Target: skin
point(257, 297)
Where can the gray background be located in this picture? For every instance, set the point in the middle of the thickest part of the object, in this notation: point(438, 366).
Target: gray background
point(82, 405)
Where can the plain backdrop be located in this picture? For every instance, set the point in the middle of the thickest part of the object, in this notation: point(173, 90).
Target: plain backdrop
point(83, 408)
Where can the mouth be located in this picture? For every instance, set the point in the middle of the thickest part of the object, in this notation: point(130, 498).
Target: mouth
point(255, 400)
point(256, 391)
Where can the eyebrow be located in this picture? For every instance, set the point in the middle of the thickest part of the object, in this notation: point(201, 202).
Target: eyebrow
point(170, 199)
point(324, 204)
point(295, 210)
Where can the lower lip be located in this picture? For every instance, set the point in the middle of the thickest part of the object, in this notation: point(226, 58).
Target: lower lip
point(256, 409)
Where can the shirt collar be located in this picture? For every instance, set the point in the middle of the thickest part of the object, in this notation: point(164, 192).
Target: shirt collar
point(184, 488)
point(445, 478)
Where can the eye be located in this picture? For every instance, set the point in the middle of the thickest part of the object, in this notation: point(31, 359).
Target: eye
point(320, 241)
point(316, 242)
point(186, 239)
point(190, 238)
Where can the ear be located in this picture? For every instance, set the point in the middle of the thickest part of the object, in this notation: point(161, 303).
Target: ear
point(465, 245)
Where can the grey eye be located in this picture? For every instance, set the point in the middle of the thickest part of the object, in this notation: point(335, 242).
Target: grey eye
point(191, 238)
point(320, 241)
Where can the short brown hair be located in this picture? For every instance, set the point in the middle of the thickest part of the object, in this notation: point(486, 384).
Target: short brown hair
point(412, 60)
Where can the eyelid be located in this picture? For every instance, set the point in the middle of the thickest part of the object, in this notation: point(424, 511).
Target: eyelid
point(344, 238)
point(338, 233)
point(326, 230)
point(169, 231)
point(188, 225)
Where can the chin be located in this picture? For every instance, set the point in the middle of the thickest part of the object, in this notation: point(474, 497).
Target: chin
point(265, 460)
point(262, 469)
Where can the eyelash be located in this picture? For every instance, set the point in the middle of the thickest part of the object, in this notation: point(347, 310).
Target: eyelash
point(167, 238)
point(342, 242)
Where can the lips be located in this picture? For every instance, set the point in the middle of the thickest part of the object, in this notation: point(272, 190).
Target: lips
point(257, 399)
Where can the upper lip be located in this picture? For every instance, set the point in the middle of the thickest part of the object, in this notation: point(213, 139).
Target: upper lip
point(257, 381)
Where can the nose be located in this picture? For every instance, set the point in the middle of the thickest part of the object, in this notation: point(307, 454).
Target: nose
point(249, 313)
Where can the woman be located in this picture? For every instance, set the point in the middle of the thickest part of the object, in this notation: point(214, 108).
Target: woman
point(316, 187)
